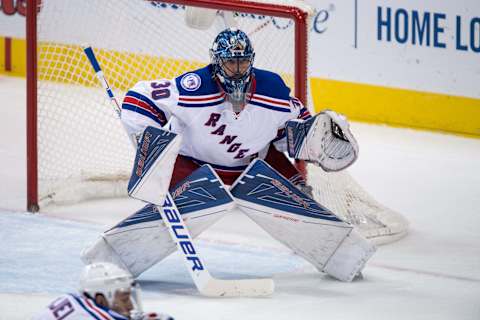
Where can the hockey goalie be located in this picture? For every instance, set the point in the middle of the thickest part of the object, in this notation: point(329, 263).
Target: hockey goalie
point(215, 138)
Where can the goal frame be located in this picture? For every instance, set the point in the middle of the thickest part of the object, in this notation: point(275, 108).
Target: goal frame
point(299, 16)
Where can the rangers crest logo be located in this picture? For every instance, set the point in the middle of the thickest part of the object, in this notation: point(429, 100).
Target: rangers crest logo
point(190, 82)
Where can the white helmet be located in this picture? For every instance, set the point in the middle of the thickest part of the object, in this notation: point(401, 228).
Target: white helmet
point(106, 278)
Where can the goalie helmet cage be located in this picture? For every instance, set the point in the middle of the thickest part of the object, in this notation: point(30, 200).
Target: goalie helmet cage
point(76, 146)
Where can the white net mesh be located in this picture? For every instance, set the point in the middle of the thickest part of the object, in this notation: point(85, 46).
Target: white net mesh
point(82, 150)
point(339, 192)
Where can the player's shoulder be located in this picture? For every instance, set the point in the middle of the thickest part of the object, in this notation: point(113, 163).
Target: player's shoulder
point(87, 307)
point(198, 89)
point(270, 84)
point(197, 82)
point(271, 92)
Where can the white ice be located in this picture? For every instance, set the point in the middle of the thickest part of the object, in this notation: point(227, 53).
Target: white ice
point(432, 273)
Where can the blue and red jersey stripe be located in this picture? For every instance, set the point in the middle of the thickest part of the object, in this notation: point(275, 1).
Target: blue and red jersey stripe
point(139, 103)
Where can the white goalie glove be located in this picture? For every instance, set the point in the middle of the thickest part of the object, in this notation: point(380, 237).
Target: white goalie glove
point(324, 140)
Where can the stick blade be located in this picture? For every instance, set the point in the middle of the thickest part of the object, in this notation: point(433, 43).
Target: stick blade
point(238, 288)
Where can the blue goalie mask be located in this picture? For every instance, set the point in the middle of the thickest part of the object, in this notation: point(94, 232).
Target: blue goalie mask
point(232, 60)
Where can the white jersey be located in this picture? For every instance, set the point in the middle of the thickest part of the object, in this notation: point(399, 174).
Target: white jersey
point(75, 307)
point(212, 132)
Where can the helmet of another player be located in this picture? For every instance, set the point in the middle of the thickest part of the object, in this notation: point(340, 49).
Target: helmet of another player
point(232, 58)
point(111, 287)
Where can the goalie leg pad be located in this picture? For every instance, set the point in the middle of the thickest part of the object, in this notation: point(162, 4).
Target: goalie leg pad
point(142, 240)
point(297, 221)
point(102, 251)
point(153, 166)
point(350, 257)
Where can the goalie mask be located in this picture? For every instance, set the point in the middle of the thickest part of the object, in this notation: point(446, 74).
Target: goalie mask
point(115, 284)
point(232, 58)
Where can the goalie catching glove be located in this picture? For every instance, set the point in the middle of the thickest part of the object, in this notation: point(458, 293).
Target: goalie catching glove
point(324, 140)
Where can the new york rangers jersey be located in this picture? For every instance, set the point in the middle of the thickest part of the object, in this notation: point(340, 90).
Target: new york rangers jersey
point(212, 132)
point(75, 307)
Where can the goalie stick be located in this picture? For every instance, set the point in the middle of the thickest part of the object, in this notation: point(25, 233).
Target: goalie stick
point(206, 284)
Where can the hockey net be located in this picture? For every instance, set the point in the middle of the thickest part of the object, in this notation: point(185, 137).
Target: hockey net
point(77, 147)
